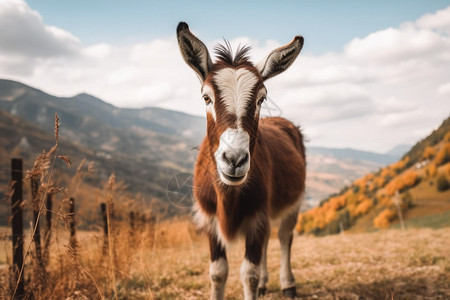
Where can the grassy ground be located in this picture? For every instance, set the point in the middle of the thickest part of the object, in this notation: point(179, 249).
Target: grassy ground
point(171, 262)
point(414, 264)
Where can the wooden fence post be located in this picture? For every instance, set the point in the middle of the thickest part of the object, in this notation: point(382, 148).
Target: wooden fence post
point(132, 221)
point(105, 226)
point(17, 229)
point(73, 241)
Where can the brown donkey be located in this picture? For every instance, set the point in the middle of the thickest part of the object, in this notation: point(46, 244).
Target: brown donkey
point(248, 170)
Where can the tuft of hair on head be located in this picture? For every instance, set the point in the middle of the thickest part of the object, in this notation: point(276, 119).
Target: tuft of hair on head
point(224, 53)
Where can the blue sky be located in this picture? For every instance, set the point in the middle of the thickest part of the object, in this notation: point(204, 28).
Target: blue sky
point(326, 25)
point(372, 74)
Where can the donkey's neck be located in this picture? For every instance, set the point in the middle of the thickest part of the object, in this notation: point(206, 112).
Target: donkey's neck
point(236, 205)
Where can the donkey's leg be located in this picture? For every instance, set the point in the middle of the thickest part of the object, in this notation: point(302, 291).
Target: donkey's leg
point(218, 269)
point(255, 239)
point(285, 236)
point(264, 275)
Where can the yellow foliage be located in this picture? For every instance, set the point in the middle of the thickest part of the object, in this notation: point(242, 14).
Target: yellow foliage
point(429, 152)
point(299, 226)
point(386, 201)
point(431, 170)
point(409, 178)
point(348, 193)
point(447, 137)
point(394, 185)
point(362, 182)
point(337, 202)
point(443, 155)
point(378, 182)
point(362, 198)
point(330, 215)
point(363, 207)
point(383, 219)
point(352, 209)
point(400, 164)
point(385, 172)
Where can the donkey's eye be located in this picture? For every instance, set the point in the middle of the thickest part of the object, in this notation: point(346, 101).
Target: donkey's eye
point(206, 99)
point(261, 100)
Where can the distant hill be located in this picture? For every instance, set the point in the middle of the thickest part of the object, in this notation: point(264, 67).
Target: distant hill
point(399, 150)
point(145, 147)
point(329, 170)
point(357, 155)
point(415, 188)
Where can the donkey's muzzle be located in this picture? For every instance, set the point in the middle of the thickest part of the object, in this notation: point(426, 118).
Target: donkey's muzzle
point(233, 156)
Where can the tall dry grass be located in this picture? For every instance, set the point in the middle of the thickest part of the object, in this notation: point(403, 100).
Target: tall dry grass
point(82, 268)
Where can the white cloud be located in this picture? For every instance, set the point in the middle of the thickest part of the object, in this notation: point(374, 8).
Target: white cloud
point(444, 89)
point(98, 51)
point(382, 90)
point(25, 34)
point(440, 21)
point(397, 44)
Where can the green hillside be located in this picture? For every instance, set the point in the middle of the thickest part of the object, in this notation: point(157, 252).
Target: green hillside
point(415, 190)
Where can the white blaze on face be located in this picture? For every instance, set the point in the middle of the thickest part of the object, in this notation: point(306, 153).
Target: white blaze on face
point(235, 87)
point(233, 143)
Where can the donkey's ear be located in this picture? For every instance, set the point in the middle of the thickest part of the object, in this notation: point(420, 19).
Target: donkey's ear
point(194, 52)
point(280, 59)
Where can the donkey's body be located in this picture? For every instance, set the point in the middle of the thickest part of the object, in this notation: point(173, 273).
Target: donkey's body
point(268, 193)
point(248, 170)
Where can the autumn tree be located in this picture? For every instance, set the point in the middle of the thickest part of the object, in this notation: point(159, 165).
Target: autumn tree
point(443, 156)
point(429, 153)
point(384, 218)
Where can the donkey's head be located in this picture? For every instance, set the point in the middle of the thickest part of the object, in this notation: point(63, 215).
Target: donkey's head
point(233, 91)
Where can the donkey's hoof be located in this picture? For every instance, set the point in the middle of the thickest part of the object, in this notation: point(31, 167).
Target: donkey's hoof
point(290, 292)
point(261, 291)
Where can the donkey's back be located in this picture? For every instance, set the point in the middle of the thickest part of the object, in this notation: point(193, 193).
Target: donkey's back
point(283, 152)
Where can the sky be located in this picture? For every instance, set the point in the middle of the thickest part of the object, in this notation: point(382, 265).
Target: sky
point(371, 75)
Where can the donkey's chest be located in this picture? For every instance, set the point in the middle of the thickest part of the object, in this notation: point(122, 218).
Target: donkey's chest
point(226, 227)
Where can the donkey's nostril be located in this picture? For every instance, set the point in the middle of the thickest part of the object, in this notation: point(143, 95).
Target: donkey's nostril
point(242, 160)
point(235, 160)
point(226, 159)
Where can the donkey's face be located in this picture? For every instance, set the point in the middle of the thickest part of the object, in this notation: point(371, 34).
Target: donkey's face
point(233, 91)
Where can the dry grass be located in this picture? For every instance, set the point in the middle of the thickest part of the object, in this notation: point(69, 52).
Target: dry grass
point(170, 261)
point(413, 264)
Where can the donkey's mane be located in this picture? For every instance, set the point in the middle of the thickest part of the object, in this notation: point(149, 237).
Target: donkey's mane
point(224, 53)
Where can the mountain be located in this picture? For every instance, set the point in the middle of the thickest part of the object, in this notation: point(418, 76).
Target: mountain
point(145, 148)
point(414, 190)
point(357, 155)
point(399, 150)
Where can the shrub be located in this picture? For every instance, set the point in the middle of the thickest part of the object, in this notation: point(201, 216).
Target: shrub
point(410, 178)
point(443, 156)
point(447, 137)
point(363, 207)
point(442, 183)
point(431, 170)
point(429, 153)
point(383, 219)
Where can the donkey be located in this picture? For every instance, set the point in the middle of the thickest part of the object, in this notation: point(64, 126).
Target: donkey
point(248, 171)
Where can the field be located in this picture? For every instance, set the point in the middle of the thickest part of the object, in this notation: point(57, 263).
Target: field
point(171, 261)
